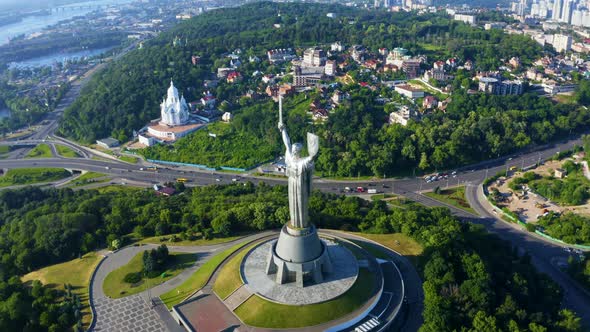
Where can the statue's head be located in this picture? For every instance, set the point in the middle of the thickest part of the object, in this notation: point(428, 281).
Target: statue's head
point(296, 149)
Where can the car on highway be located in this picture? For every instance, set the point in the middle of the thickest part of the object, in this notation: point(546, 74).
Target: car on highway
point(218, 180)
point(234, 180)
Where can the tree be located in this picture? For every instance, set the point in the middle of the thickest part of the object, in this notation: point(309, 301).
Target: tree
point(423, 162)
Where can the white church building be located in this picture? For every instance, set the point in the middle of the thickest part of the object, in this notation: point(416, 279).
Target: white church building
point(174, 121)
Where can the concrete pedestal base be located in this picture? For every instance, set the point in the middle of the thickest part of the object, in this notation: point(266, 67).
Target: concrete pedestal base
point(298, 258)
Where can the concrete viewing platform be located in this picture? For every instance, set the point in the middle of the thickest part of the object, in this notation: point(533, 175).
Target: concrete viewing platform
point(336, 283)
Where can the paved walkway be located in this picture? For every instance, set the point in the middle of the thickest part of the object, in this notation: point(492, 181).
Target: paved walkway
point(129, 313)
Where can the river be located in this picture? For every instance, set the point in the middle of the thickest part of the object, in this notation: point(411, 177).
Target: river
point(49, 60)
point(32, 24)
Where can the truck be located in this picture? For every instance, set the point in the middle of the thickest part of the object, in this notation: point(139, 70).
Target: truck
point(372, 191)
point(360, 189)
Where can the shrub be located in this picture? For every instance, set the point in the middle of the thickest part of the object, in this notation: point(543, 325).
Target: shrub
point(132, 278)
point(531, 227)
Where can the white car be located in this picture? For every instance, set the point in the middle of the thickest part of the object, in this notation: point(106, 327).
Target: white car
point(218, 180)
point(234, 180)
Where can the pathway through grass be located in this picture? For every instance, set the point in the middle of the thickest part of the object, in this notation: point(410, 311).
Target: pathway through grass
point(198, 279)
point(114, 286)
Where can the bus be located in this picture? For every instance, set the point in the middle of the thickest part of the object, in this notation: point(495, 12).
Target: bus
point(182, 180)
point(152, 168)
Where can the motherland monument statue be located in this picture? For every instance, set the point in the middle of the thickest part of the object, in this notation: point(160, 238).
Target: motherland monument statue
point(300, 173)
point(298, 254)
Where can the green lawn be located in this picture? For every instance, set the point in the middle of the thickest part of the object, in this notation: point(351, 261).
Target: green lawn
point(117, 188)
point(380, 197)
point(262, 313)
point(65, 151)
point(88, 178)
point(40, 151)
point(198, 279)
point(454, 197)
point(76, 272)
point(22, 176)
point(199, 242)
point(4, 149)
point(128, 159)
point(115, 287)
point(229, 278)
point(398, 242)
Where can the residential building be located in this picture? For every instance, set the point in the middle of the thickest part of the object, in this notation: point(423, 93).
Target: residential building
point(494, 86)
point(411, 68)
point(337, 47)
point(330, 68)
point(234, 77)
point(401, 116)
point(307, 76)
point(465, 18)
point(280, 55)
point(429, 102)
point(409, 91)
point(314, 57)
point(562, 43)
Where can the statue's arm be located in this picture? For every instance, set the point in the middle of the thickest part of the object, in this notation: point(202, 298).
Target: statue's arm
point(286, 139)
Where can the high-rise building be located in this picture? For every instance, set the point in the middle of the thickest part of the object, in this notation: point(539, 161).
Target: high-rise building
point(576, 17)
point(566, 13)
point(556, 13)
point(562, 43)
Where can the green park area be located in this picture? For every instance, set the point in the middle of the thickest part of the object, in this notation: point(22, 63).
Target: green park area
point(398, 242)
point(4, 149)
point(23, 176)
point(115, 285)
point(88, 178)
point(229, 278)
point(262, 313)
point(76, 273)
point(129, 159)
point(198, 279)
point(40, 151)
point(453, 196)
point(65, 151)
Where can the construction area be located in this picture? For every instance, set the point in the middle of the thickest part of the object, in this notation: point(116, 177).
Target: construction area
point(528, 205)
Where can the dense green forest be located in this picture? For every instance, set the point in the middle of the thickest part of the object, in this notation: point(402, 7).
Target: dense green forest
point(568, 227)
point(125, 96)
point(38, 308)
point(472, 280)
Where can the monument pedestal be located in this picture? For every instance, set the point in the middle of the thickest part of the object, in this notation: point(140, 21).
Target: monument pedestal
point(297, 256)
